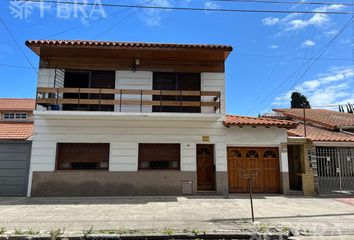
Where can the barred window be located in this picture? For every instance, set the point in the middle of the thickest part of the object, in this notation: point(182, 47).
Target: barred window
point(82, 156)
point(159, 156)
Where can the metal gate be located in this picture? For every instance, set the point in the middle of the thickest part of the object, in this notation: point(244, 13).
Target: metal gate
point(335, 169)
point(14, 166)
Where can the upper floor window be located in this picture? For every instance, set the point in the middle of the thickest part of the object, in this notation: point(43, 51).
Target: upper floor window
point(176, 81)
point(89, 79)
point(14, 116)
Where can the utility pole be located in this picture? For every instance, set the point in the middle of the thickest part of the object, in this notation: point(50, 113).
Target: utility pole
point(304, 110)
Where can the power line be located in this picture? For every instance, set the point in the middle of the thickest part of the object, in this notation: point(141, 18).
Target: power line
point(292, 58)
point(14, 66)
point(278, 62)
point(18, 46)
point(285, 2)
point(319, 53)
point(324, 50)
point(122, 20)
point(192, 8)
point(91, 22)
point(329, 106)
point(80, 26)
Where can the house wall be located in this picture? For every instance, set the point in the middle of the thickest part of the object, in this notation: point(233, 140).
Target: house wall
point(308, 183)
point(124, 137)
point(213, 82)
point(143, 80)
point(263, 137)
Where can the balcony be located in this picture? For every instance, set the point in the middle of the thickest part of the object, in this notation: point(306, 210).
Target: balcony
point(128, 100)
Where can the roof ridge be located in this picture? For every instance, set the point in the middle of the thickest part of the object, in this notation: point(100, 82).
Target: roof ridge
point(17, 99)
point(110, 41)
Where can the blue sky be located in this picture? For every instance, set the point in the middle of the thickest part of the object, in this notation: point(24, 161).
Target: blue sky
point(261, 72)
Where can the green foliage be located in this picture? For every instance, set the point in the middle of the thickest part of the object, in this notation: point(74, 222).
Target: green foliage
point(56, 234)
point(86, 233)
point(285, 229)
point(299, 101)
point(2, 230)
point(26, 232)
point(168, 231)
point(196, 231)
point(263, 228)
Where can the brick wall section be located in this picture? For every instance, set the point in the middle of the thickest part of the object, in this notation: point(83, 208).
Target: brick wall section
point(308, 178)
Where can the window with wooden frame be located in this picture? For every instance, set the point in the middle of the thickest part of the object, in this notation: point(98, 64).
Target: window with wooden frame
point(162, 156)
point(82, 156)
point(176, 81)
point(89, 79)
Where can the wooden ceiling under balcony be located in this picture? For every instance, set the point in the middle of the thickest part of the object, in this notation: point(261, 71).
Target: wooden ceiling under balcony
point(167, 57)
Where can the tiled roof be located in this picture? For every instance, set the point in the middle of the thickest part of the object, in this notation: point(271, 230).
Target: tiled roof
point(123, 44)
point(17, 104)
point(16, 130)
point(326, 118)
point(233, 120)
point(321, 134)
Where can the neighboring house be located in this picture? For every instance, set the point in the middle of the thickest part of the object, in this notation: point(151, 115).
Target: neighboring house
point(116, 118)
point(321, 150)
point(16, 126)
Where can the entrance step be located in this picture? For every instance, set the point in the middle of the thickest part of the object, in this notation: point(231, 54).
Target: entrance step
point(295, 193)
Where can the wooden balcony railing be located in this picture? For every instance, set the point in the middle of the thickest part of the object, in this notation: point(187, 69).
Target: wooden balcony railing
point(127, 97)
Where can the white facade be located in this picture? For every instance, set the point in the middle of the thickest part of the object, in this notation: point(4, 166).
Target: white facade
point(125, 128)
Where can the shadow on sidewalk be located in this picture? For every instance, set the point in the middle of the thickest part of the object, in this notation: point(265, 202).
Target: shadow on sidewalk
point(233, 220)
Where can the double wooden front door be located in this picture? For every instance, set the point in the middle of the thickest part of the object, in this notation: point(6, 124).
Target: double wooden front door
point(205, 167)
point(260, 163)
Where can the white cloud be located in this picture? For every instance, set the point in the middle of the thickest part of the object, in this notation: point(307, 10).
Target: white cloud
point(308, 44)
point(293, 21)
point(332, 87)
point(331, 33)
point(270, 21)
point(153, 17)
point(346, 41)
point(211, 5)
point(273, 46)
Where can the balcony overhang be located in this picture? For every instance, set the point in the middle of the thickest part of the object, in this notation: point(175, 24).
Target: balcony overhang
point(60, 48)
point(200, 117)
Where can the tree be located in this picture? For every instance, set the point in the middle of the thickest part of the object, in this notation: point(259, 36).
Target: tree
point(299, 101)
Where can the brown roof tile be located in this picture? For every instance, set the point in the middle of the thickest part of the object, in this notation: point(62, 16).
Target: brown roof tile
point(16, 130)
point(320, 134)
point(17, 104)
point(123, 44)
point(231, 120)
point(326, 118)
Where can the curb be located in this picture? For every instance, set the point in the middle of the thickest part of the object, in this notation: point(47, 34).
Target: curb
point(252, 236)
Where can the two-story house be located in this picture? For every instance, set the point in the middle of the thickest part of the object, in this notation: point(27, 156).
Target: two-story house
point(120, 118)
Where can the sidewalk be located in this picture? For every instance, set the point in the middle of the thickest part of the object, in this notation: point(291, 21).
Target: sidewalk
point(331, 216)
